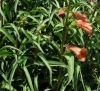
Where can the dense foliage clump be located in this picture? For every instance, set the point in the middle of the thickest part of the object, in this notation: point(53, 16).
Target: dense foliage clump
point(49, 45)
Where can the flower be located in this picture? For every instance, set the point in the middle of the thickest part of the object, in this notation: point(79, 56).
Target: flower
point(80, 16)
point(82, 22)
point(79, 52)
point(85, 26)
point(61, 13)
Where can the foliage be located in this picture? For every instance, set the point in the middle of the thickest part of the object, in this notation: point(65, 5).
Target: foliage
point(33, 46)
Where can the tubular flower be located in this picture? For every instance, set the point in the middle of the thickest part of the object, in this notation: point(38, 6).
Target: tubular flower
point(80, 16)
point(85, 26)
point(82, 22)
point(79, 52)
point(61, 13)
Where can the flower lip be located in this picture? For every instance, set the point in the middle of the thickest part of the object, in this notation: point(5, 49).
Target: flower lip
point(79, 52)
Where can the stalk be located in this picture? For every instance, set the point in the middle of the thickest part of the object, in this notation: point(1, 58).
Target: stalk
point(64, 32)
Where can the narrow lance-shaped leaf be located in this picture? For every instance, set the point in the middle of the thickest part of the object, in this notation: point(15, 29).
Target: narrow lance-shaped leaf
point(47, 65)
point(36, 83)
point(15, 28)
point(8, 46)
point(8, 35)
point(15, 6)
point(28, 78)
point(70, 60)
point(12, 74)
point(76, 73)
point(32, 40)
point(2, 14)
point(51, 63)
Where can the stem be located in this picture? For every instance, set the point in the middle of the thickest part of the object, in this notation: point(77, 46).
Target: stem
point(64, 32)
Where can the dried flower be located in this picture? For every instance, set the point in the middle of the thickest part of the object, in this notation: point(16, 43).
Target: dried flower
point(61, 13)
point(79, 52)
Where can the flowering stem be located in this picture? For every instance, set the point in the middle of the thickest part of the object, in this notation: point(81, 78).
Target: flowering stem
point(64, 32)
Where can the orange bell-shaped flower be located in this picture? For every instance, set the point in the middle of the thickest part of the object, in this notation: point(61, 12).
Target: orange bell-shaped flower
point(79, 52)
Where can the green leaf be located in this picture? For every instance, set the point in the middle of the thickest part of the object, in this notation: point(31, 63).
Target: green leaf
point(55, 45)
point(8, 35)
point(15, 6)
point(47, 65)
point(29, 35)
point(51, 63)
point(5, 53)
point(76, 74)
point(33, 19)
point(6, 86)
point(56, 4)
point(15, 28)
point(28, 78)
point(36, 83)
point(12, 73)
point(70, 60)
point(8, 46)
point(3, 14)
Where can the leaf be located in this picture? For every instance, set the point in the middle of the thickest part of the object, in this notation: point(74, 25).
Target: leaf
point(27, 33)
point(81, 77)
point(51, 63)
point(36, 83)
point(70, 60)
point(8, 46)
point(28, 78)
point(8, 35)
point(15, 28)
point(15, 6)
point(47, 65)
point(76, 72)
point(4, 76)
point(5, 53)
point(6, 86)
point(12, 73)
point(33, 19)
point(55, 45)
point(3, 14)
point(56, 4)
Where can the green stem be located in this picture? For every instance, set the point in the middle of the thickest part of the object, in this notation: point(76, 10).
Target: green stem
point(64, 32)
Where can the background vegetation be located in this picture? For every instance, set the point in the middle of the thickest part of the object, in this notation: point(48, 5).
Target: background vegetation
point(31, 37)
